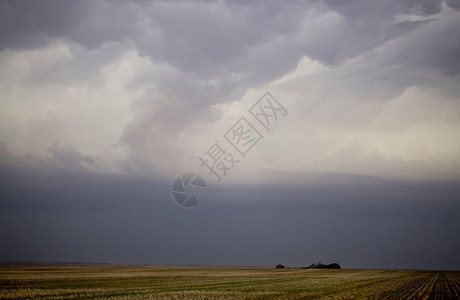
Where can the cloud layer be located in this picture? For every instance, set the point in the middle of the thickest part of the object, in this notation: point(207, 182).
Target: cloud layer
point(140, 75)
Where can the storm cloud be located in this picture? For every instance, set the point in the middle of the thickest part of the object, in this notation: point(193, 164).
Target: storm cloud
point(103, 104)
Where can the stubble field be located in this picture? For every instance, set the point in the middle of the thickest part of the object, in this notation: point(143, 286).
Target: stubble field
point(109, 282)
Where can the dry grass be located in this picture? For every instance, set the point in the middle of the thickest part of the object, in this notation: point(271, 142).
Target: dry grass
point(217, 283)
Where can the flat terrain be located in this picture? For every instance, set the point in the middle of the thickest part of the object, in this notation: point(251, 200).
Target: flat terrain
point(105, 282)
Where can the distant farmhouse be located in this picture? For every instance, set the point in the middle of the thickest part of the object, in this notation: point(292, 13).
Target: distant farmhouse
point(280, 266)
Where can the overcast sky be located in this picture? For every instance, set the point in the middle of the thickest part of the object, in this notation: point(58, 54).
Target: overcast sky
point(103, 104)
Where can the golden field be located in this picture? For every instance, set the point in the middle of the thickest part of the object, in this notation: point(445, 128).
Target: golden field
point(111, 282)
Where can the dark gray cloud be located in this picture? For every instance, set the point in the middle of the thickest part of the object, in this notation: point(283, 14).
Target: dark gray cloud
point(378, 10)
point(214, 39)
point(355, 220)
point(91, 23)
point(33, 24)
point(434, 50)
point(453, 4)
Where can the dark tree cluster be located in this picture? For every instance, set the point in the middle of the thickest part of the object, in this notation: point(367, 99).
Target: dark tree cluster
point(314, 266)
point(323, 266)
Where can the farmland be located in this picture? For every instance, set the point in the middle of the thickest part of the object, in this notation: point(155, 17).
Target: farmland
point(106, 282)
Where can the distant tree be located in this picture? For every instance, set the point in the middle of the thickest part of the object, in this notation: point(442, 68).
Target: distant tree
point(333, 266)
point(320, 265)
point(280, 266)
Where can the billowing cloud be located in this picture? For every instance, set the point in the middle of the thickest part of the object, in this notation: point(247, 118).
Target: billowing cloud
point(203, 54)
point(68, 155)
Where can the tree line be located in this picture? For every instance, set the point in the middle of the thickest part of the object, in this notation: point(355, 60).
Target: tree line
point(317, 265)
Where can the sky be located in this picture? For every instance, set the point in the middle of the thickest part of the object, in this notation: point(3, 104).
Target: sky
point(104, 104)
